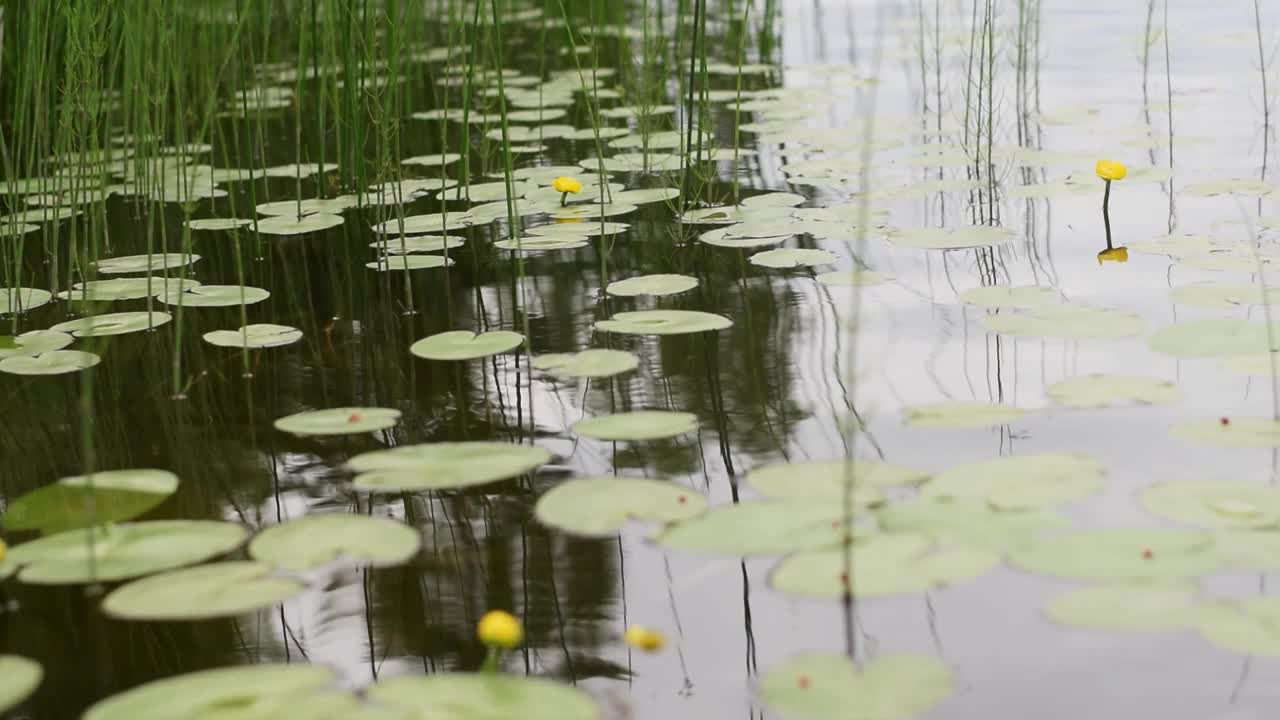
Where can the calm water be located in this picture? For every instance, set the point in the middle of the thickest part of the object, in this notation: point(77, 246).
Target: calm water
point(766, 390)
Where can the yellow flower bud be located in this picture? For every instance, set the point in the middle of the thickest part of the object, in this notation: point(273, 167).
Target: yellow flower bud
point(499, 628)
point(567, 185)
point(1111, 170)
point(1120, 255)
point(642, 638)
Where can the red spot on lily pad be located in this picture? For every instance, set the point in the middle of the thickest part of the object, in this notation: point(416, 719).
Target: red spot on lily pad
point(1224, 421)
point(355, 418)
point(682, 499)
point(802, 682)
point(1147, 554)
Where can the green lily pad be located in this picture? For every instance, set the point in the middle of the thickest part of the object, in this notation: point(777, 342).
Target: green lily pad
point(1215, 337)
point(1215, 503)
point(219, 224)
point(961, 415)
point(972, 523)
point(599, 506)
point(113, 324)
point(787, 258)
point(466, 696)
point(829, 478)
point(293, 209)
point(1149, 607)
point(585, 228)
point(827, 686)
point(258, 335)
point(853, 278)
point(1237, 432)
point(1222, 295)
point(1003, 296)
point(317, 540)
point(126, 288)
point(81, 501)
point(663, 322)
point(637, 425)
point(971, 236)
point(123, 551)
point(225, 589)
point(721, 238)
point(1178, 246)
point(594, 363)
point(594, 210)
point(55, 362)
point(408, 262)
point(440, 466)
point(881, 565)
point(542, 244)
point(1231, 259)
point(19, 677)
point(466, 345)
point(22, 299)
point(659, 285)
point(251, 692)
point(765, 527)
point(1020, 481)
point(339, 421)
point(293, 225)
point(36, 342)
point(645, 196)
point(1265, 364)
point(215, 296)
point(1236, 186)
point(1119, 554)
point(1242, 631)
point(1065, 321)
point(392, 245)
point(1094, 391)
point(144, 263)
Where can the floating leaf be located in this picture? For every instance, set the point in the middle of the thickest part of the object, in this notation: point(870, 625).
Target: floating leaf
point(339, 421)
point(592, 210)
point(880, 565)
point(961, 415)
point(1019, 481)
point(1251, 633)
point(392, 245)
point(440, 466)
point(466, 696)
point(113, 324)
point(968, 522)
point(766, 527)
point(234, 693)
point(219, 224)
point(971, 236)
point(1094, 391)
point(19, 677)
point(1119, 554)
point(602, 505)
point(1237, 186)
point(294, 225)
point(1150, 607)
point(84, 500)
point(298, 208)
point(1247, 432)
point(36, 342)
point(663, 322)
point(1265, 364)
point(204, 592)
point(645, 196)
point(537, 244)
point(1003, 296)
point(1213, 338)
point(594, 363)
point(126, 288)
point(466, 345)
point(317, 540)
point(1215, 504)
point(637, 425)
point(408, 262)
point(853, 278)
point(1066, 322)
point(829, 478)
point(585, 228)
point(721, 238)
point(827, 686)
point(1222, 295)
point(652, 285)
point(260, 335)
point(144, 263)
point(786, 258)
point(124, 551)
point(22, 299)
point(55, 362)
point(215, 296)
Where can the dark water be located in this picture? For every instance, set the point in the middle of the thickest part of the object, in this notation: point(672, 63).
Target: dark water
point(768, 389)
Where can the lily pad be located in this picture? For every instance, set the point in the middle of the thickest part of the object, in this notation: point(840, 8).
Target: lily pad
point(961, 415)
point(466, 696)
point(594, 363)
point(1236, 186)
point(1237, 432)
point(124, 551)
point(432, 223)
point(968, 522)
point(294, 209)
point(1020, 481)
point(881, 565)
point(1215, 337)
point(1215, 503)
point(1149, 607)
point(36, 342)
point(440, 466)
point(19, 677)
point(408, 262)
point(1265, 364)
point(971, 236)
point(1065, 321)
point(663, 322)
point(787, 258)
point(1223, 295)
point(113, 324)
point(537, 244)
point(265, 690)
point(658, 285)
point(721, 238)
point(294, 225)
point(204, 592)
point(1252, 630)
point(126, 288)
point(392, 245)
point(1003, 296)
point(763, 527)
point(585, 228)
point(314, 541)
point(1117, 554)
point(829, 478)
point(600, 506)
point(260, 335)
point(84, 500)
point(22, 299)
point(1094, 391)
point(466, 345)
point(827, 686)
point(637, 425)
point(144, 263)
point(215, 296)
point(219, 224)
point(339, 421)
point(55, 362)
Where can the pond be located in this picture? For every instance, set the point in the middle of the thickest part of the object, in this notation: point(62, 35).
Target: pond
point(915, 359)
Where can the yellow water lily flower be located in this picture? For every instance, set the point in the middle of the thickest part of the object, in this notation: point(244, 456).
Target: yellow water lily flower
point(642, 638)
point(567, 185)
point(500, 629)
point(1120, 255)
point(1111, 170)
